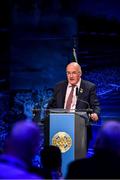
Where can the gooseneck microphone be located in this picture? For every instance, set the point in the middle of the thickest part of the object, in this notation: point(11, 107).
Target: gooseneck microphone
point(89, 110)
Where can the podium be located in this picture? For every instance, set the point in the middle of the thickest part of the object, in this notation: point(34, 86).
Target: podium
point(68, 130)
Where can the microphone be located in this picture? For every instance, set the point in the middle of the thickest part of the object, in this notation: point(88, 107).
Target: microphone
point(89, 110)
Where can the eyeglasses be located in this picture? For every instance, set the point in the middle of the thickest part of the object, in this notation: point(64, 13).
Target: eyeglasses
point(74, 73)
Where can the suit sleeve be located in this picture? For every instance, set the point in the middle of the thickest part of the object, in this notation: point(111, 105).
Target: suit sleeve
point(94, 102)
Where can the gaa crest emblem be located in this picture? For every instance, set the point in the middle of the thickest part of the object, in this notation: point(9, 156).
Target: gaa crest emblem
point(62, 140)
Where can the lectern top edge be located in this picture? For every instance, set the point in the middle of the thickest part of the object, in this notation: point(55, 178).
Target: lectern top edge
point(59, 110)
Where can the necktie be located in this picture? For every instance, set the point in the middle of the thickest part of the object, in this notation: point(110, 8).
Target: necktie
point(69, 100)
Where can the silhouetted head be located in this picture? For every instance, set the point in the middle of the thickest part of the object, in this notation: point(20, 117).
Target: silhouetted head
point(108, 139)
point(51, 157)
point(23, 140)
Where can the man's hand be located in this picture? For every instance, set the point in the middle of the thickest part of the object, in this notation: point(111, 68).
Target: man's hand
point(94, 117)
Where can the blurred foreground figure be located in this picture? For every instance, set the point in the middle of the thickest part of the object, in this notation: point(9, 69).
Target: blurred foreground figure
point(51, 162)
point(20, 147)
point(105, 162)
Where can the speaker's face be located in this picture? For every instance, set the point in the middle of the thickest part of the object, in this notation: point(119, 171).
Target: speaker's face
point(73, 73)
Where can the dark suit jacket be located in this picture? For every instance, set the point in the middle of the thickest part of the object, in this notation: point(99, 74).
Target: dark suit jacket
point(87, 93)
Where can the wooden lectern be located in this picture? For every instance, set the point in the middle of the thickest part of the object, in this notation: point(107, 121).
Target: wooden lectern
point(68, 131)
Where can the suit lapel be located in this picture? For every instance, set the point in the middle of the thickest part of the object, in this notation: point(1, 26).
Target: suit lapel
point(80, 94)
point(81, 89)
point(63, 93)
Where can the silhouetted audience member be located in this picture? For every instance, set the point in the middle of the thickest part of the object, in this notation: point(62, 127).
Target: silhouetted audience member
point(51, 161)
point(20, 147)
point(105, 162)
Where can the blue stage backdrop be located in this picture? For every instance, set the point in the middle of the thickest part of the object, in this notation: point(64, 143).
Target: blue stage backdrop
point(37, 38)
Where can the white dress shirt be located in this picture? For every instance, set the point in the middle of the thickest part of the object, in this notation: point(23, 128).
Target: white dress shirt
point(74, 100)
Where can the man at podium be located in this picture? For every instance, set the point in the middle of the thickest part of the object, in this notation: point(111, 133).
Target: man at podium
point(76, 94)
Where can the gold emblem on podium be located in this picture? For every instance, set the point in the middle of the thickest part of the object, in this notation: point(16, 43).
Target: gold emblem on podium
point(62, 140)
